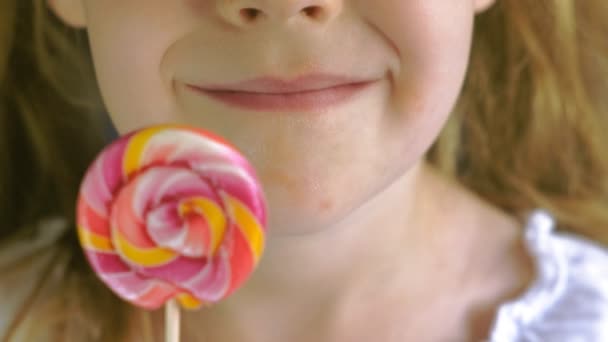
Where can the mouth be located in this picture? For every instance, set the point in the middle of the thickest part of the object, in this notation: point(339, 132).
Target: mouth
point(288, 98)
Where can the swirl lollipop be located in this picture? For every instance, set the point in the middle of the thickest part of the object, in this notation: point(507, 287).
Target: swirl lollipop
point(171, 213)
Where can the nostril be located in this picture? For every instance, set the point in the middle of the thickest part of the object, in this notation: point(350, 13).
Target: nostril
point(311, 11)
point(250, 13)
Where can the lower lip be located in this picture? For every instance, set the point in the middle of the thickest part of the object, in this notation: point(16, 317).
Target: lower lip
point(302, 101)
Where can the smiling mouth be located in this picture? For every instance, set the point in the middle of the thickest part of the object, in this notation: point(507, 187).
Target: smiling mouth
point(307, 100)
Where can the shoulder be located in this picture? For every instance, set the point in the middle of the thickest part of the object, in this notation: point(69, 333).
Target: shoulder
point(569, 299)
point(22, 264)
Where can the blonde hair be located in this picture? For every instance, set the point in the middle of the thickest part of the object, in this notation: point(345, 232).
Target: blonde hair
point(527, 132)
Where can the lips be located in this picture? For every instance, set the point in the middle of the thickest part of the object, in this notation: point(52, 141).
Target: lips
point(273, 85)
point(307, 93)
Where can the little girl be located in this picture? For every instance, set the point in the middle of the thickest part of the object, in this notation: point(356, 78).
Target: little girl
point(435, 170)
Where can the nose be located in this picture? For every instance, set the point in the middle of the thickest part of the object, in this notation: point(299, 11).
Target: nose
point(242, 13)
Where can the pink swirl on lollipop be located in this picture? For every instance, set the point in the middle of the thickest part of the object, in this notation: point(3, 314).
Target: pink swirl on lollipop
point(172, 212)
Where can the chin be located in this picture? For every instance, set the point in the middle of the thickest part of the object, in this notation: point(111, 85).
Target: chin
point(293, 220)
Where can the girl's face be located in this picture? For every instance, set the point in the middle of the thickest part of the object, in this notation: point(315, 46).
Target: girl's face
point(316, 165)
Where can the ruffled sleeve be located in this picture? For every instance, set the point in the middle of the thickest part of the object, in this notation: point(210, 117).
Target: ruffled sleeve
point(568, 301)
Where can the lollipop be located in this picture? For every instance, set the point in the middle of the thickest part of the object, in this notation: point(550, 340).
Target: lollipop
point(171, 213)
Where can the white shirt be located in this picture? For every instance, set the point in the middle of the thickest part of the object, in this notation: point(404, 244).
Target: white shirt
point(568, 301)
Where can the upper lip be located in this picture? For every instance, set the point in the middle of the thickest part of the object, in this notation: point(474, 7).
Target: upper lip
point(273, 85)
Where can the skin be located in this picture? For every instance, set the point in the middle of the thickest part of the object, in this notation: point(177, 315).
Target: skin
point(354, 211)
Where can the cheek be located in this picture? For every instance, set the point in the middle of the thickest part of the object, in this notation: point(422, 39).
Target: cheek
point(432, 40)
point(128, 51)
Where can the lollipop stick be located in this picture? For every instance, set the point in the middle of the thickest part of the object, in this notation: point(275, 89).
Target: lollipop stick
point(172, 321)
